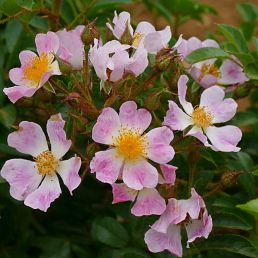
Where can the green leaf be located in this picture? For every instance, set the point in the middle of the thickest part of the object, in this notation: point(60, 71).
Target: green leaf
point(110, 232)
point(248, 11)
point(8, 115)
point(48, 86)
point(250, 207)
point(206, 53)
point(231, 221)
point(12, 33)
point(245, 160)
point(251, 71)
point(26, 4)
point(255, 173)
point(234, 36)
point(229, 243)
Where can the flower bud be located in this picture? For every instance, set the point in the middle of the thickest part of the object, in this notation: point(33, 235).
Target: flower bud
point(90, 33)
point(64, 66)
point(229, 179)
point(242, 90)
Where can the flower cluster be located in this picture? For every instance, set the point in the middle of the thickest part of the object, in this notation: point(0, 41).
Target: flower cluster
point(136, 163)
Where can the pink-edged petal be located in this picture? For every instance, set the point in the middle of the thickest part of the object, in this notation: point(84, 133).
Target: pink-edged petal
point(148, 202)
point(130, 116)
point(17, 92)
point(199, 228)
point(26, 56)
point(159, 149)
point(222, 109)
point(57, 136)
point(176, 118)
point(107, 126)
point(224, 138)
point(47, 43)
point(168, 174)
point(171, 241)
point(139, 174)
point(68, 170)
point(122, 193)
point(28, 139)
point(48, 191)
point(231, 73)
point(22, 176)
point(198, 133)
point(107, 165)
point(182, 88)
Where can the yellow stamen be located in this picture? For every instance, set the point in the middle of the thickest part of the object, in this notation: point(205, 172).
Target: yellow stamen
point(211, 69)
point(137, 37)
point(46, 163)
point(131, 144)
point(36, 68)
point(202, 117)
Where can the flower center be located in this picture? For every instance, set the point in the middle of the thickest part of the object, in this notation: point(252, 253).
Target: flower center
point(36, 68)
point(131, 144)
point(46, 163)
point(211, 69)
point(201, 117)
point(137, 37)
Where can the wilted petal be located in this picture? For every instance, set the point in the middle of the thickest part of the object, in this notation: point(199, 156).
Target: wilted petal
point(122, 193)
point(107, 126)
point(139, 174)
point(148, 202)
point(57, 136)
point(159, 149)
point(68, 170)
point(29, 139)
point(48, 191)
point(107, 165)
point(23, 177)
point(224, 138)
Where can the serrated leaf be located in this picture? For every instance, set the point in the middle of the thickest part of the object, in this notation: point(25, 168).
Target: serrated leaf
point(250, 207)
point(234, 36)
point(110, 232)
point(229, 243)
point(206, 53)
point(8, 115)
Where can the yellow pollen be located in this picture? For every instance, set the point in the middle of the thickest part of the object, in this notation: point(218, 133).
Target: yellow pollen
point(137, 37)
point(36, 68)
point(131, 144)
point(211, 69)
point(46, 163)
point(201, 117)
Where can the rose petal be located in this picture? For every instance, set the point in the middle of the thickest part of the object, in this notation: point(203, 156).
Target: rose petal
point(47, 43)
point(17, 92)
point(168, 174)
point(122, 193)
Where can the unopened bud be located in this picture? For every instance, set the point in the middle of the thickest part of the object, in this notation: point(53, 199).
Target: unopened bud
point(229, 179)
point(242, 90)
point(90, 33)
point(164, 59)
point(126, 37)
point(64, 66)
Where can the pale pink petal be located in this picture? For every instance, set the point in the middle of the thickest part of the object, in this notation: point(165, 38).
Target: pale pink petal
point(198, 133)
point(130, 116)
point(182, 88)
point(158, 242)
point(68, 170)
point(16, 76)
point(26, 56)
point(144, 28)
point(17, 92)
point(57, 136)
point(231, 73)
point(107, 165)
point(107, 126)
point(139, 174)
point(168, 174)
point(207, 80)
point(210, 43)
point(47, 43)
point(188, 46)
point(48, 191)
point(222, 109)
point(29, 139)
point(122, 193)
point(159, 149)
point(148, 202)
point(224, 138)
point(23, 177)
point(176, 119)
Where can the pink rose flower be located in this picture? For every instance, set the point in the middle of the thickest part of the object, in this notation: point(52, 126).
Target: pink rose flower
point(213, 108)
point(165, 232)
point(207, 73)
point(148, 201)
point(36, 182)
point(130, 149)
point(35, 69)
